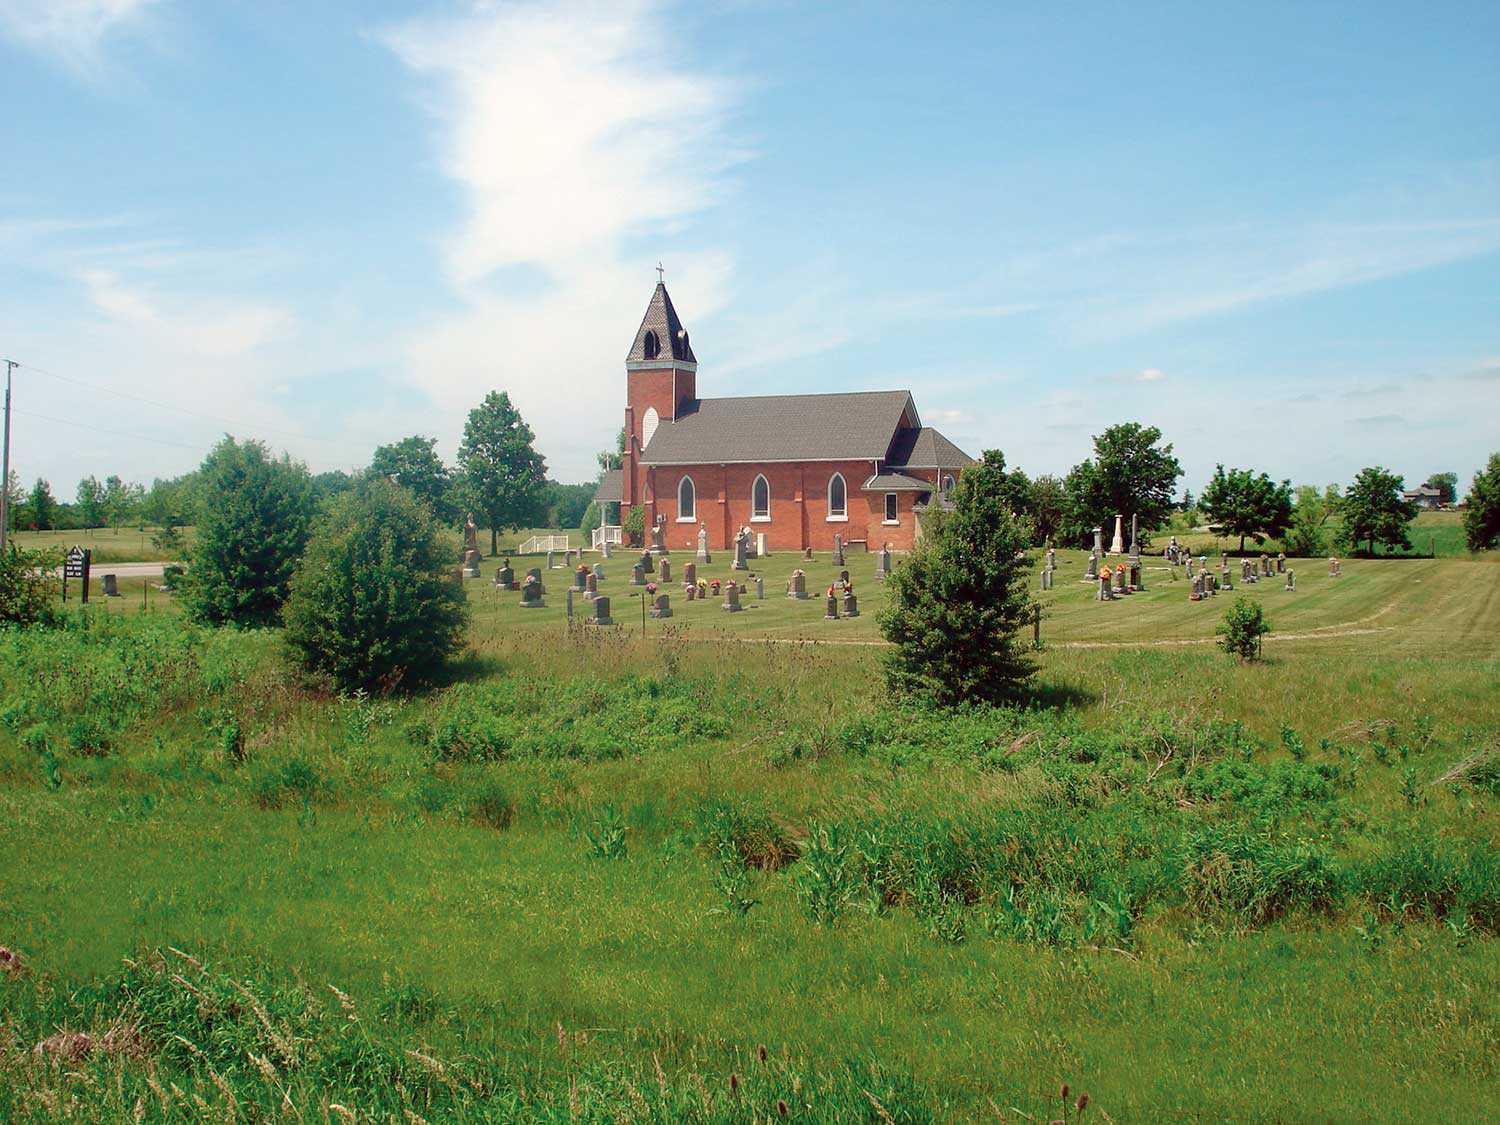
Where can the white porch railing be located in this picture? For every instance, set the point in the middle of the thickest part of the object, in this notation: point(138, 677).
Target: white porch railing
point(540, 544)
point(607, 534)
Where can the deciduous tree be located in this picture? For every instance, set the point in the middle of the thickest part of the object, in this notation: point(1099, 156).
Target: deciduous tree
point(414, 464)
point(90, 507)
point(1238, 502)
point(41, 508)
point(1375, 512)
point(1446, 484)
point(1131, 473)
point(1482, 508)
point(503, 475)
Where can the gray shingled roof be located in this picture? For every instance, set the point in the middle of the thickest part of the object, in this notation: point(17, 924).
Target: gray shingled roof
point(857, 426)
point(611, 488)
point(925, 448)
point(897, 482)
point(671, 337)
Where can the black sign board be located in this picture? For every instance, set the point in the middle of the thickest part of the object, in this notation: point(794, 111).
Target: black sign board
point(76, 564)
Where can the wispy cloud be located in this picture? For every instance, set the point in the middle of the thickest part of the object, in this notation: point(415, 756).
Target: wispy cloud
point(582, 148)
point(72, 31)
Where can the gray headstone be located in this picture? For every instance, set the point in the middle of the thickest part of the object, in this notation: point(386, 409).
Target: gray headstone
point(838, 549)
point(111, 586)
point(851, 605)
point(831, 608)
point(1291, 579)
point(647, 563)
point(531, 593)
point(690, 573)
point(505, 577)
point(581, 578)
point(607, 549)
point(570, 601)
point(760, 588)
point(601, 612)
point(703, 555)
point(731, 598)
point(551, 560)
point(471, 564)
point(740, 553)
point(599, 571)
point(637, 575)
point(883, 564)
point(796, 587)
point(535, 572)
point(662, 606)
point(591, 587)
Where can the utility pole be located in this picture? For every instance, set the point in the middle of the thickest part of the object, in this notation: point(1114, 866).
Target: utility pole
point(10, 366)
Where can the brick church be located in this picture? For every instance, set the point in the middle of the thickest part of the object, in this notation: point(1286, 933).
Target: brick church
point(800, 468)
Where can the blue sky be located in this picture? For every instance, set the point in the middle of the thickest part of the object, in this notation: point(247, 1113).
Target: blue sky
point(1271, 229)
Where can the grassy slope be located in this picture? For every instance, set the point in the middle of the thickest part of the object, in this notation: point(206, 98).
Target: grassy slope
point(1299, 1020)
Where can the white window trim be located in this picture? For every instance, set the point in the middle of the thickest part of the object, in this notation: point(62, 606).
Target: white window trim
point(836, 517)
point(691, 517)
point(892, 522)
point(767, 517)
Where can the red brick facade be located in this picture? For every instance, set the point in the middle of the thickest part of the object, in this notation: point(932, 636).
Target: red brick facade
point(799, 515)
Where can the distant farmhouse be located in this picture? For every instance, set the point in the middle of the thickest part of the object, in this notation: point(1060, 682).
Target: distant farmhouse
point(1423, 496)
point(800, 468)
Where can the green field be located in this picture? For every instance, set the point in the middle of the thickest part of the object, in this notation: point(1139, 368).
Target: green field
point(1189, 887)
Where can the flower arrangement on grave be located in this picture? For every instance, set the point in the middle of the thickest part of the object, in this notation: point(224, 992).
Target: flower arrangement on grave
point(714, 585)
point(650, 587)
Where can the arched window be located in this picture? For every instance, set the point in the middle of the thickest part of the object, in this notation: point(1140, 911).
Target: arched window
point(947, 483)
point(648, 425)
point(760, 498)
point(687, 496)
point(651, 345)
point(838, 498)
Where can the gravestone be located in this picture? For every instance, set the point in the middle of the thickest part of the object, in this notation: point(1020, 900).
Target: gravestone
point(1046, 579)
point(531, 593)
point(581, 578)
point(731, 598)
point(1051, 561)
point(741, 545)
point(807, 554)
point(1291, 579)
point(843, 578)
point(690, 573)
point(1117, 544)
point(1137, 574)
point(1281, 563)
point(760, 588)
point(637, 575)
point(883, 565)
point(111, 586)
point(1172, 551)
point(796, 587)
point(1135, 545)
point(666, 570)
point(1246, 573)
point(471, 538)
point(1092, 572)
point(690, 590)
point(537, 574)
point(762, 545)
point(647, 564)
point(599, 571)
point(591, 586)
point(471, 564)
point(1189, 566)
point(1335, 568)
point(601, 615)
point(505, 577)
point(658, 544)
point(662, 606)
point(607, 549)
point(1120, 587)
point(703, 555)
point(569, 602)
point(551, 560)
point(831, 609)
point(1104, 594)
point(1224, 573)
point(838, 549)
point(851, 605)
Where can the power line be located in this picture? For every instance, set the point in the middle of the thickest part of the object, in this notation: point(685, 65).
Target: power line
point(102, 430)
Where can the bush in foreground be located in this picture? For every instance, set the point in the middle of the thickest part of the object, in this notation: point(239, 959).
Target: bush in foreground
point(1242, 628)
point(26, 586)
point(959, 600)
point(370, 602)
point(256, 515)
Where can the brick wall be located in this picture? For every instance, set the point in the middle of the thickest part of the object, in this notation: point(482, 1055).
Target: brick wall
point(799, 506)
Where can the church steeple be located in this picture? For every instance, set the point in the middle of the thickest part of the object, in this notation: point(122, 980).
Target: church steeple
point(661, 338)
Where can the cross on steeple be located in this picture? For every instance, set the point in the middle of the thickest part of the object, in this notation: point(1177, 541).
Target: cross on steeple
point(659, 273)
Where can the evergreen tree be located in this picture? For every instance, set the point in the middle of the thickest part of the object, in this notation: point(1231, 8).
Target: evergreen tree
point(414, 464)
point(1482, 508)
point(371, 602)
point(1131, 474)
point(503, 475)
point(1374, 511)
point(253, 527)
point(959, 601)
point(1240, 503)
point(41, 507)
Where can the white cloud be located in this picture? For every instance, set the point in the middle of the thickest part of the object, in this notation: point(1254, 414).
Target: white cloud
point(72, 31)
point(195, 327)
point(583, 147)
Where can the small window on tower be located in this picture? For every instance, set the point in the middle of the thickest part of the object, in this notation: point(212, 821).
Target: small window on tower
point(652, 345)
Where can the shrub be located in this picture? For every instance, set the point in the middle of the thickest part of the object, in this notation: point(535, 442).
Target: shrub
point(255, 521)
point(1243, 626)
point(26, 586)
point(1482, 508)
point(370, 603)
point(959, 601)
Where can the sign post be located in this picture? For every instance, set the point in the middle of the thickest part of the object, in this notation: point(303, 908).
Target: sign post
point(77, 565)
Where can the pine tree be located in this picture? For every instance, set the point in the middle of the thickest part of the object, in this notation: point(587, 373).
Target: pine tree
point(959, 601)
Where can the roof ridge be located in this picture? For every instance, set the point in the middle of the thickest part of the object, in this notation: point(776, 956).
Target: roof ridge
point(803, 394)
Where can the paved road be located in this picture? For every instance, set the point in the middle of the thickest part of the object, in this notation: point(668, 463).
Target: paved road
point(127, 569)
